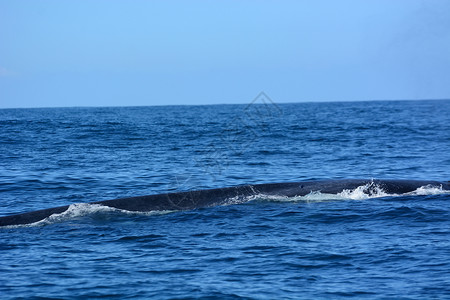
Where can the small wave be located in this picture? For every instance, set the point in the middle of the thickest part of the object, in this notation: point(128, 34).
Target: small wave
point(78, 210)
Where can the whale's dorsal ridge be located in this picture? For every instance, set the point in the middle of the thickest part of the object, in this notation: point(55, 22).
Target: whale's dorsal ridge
point(210, 197)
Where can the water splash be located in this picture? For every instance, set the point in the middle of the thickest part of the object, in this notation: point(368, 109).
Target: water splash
point(78, 210)
point(367, 191)
point(429, 190)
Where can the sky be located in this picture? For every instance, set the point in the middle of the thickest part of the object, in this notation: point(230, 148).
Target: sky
point(122, 53)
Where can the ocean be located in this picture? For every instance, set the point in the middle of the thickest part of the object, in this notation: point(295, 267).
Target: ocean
point(351, 245)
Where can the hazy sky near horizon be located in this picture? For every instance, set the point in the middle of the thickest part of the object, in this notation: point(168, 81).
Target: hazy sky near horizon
point(110, 52)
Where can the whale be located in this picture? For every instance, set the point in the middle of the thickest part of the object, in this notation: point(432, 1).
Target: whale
point(189, 200)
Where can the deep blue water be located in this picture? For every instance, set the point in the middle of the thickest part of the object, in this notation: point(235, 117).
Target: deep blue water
point(316, 247)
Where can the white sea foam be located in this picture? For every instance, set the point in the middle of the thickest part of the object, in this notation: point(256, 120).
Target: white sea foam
point(78, 210)
point(429, 190)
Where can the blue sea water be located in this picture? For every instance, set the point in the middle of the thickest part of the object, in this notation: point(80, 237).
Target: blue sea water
point(315, 247)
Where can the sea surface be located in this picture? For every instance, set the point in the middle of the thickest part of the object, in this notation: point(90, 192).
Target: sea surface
point(319, 246)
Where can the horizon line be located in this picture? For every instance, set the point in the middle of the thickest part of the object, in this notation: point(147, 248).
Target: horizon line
point(213, 104)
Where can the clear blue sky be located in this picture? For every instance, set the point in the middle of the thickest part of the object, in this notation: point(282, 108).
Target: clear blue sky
point(108, 53)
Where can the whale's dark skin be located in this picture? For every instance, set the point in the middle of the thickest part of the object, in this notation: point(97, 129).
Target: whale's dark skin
point(212, 197)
